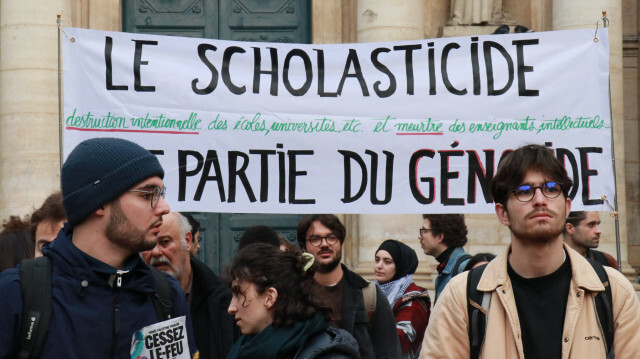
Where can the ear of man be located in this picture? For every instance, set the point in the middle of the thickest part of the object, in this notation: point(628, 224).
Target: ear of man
point(570, 228)
point(189, 239)
point(502, 214)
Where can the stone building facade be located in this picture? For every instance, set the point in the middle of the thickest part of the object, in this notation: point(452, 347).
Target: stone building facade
point(29, 127)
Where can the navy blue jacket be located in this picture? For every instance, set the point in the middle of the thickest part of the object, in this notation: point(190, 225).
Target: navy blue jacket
point(92, 321)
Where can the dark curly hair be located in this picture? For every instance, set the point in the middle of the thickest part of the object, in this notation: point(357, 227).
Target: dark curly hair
point(51, 210)
point(515, 165)
point(266, 266)
point(328, 220)
point(451, 225)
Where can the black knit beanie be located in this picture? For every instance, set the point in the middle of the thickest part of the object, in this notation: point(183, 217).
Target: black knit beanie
point(404, 257)
point(99, 170)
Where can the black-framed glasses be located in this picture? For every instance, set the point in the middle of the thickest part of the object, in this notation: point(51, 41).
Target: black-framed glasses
point(423, 231)
point(316, 240)
point(153, 194)
point(526, 192)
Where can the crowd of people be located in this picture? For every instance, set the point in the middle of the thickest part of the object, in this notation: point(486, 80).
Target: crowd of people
point(105, 269)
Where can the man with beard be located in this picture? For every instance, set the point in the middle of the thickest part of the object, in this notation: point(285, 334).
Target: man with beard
point(542, 292)
point(101, 290)
point(582, 233)
point(214, 329)
point(374, 328)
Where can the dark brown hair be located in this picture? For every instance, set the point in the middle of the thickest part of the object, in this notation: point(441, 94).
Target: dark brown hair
point(515, 166)
point(477, 258)
point(51, 210)
point(266, 266)
point(328, 220)
point(575, 217)
point(16, 242)
point(451, 225)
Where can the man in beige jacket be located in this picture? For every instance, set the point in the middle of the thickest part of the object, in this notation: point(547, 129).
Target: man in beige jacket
point(541, 290)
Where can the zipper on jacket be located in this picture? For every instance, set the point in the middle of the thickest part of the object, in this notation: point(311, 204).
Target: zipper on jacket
point(116, 321)
point(119, 274)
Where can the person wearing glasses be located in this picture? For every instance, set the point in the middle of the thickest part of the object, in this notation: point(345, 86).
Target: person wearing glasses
point(358, 306)
point(540, 299)
point(442, 237)
point(101, 289)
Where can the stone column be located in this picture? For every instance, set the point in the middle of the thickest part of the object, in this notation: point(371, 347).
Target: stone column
point(382, 20)
point(333, 21)
point(29, 160)
point(576, 14)
point(377, 21)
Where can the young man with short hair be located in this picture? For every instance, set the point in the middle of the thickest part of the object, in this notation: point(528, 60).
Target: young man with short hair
point(101, 290)
point(443, 236)
point(542, 293)
point(323, 235)
point(582, 233)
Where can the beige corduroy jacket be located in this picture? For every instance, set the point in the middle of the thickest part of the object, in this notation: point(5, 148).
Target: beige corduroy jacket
point(447, 333)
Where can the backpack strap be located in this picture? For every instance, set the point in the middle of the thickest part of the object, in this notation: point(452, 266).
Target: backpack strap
point(161, 298)
point(456, 267)
point(599, 257)
point(477, 308)
point(370, 299)
point(604, 309)
point(35, 280)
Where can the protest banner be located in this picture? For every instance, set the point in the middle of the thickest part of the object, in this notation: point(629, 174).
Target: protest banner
point(397, 127)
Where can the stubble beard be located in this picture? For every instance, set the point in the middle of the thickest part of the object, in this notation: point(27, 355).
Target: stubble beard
point(536, 235)
point(120, 232)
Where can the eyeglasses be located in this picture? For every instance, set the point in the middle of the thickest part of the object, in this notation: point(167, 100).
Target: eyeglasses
point(423, 231)
point(525, 193)
point(153, 194)
point(316, 241)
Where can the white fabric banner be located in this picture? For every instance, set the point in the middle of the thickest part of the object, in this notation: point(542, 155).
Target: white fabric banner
point(396, 127)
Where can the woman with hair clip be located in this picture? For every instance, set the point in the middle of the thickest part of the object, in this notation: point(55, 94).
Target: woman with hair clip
point(395, 263)
point(279, 310)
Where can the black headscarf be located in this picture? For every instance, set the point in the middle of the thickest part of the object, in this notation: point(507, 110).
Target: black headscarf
point(404, 257)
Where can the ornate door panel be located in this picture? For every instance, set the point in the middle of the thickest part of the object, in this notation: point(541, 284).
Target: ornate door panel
point(240, 20)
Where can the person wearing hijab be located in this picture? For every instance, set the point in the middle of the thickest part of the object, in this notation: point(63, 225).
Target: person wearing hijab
point(395, 263)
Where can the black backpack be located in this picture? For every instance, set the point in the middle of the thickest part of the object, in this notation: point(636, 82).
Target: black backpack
point(35, 279)
point(478, 306)
point(456, 267)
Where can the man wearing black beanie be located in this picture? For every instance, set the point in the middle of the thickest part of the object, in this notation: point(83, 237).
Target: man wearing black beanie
point(102, 292)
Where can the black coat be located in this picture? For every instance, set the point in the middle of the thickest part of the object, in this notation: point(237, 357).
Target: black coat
point(378, 339)
point(215, 330)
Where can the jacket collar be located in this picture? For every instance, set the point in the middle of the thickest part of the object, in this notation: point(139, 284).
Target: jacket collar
point(72, 261)
point(582, 273)
point(353, 279)
point(453, 258)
